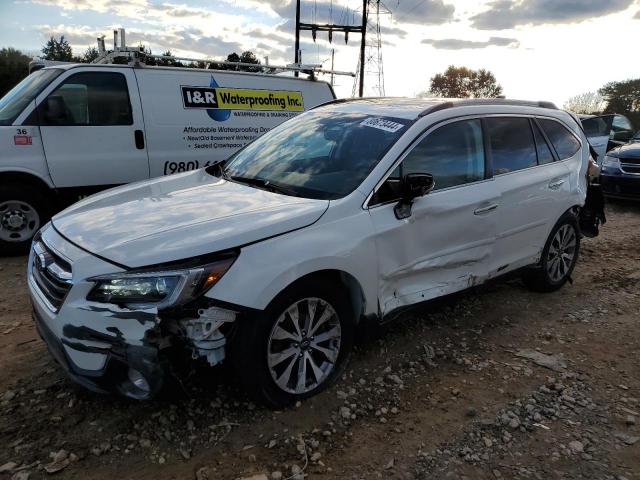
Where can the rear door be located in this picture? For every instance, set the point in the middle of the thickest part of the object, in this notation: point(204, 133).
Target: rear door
point(447, 243)
point(533, 186)
point(92, 129)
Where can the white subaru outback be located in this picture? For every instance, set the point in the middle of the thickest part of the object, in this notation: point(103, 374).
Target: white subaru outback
point(270, 260)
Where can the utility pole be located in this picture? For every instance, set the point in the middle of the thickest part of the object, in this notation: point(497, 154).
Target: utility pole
point(330, 28)
point(333, 52)
point(363, 45)
point(297, 54)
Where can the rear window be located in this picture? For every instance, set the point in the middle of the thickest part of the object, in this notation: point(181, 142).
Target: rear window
point(564, 142)
point(544, 152)
point(512, 145)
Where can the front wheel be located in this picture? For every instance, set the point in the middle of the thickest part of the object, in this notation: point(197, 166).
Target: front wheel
point(298, 348)
point(559, 257)
point(23, 210)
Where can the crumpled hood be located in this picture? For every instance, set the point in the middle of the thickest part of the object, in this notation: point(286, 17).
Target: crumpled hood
point(181, 216)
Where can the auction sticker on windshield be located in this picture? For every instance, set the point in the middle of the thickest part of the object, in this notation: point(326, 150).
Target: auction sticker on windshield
point(382, 124)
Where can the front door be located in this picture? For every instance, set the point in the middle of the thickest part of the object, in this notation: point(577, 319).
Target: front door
point(92, 130)
point(447, 242)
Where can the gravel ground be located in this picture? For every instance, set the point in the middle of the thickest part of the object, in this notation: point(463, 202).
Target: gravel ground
point(496, 382)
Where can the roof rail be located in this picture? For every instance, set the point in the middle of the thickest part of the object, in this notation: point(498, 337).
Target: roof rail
point(344, 100)
point(466, 102)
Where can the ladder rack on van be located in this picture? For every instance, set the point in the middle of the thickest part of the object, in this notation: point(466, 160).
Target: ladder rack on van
point(136, 56)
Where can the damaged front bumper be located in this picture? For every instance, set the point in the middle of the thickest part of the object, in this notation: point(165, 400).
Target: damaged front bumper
point(104, 347)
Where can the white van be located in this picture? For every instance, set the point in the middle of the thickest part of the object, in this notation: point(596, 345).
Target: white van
point(71, 130)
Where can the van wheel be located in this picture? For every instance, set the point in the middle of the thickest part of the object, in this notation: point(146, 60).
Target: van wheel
point(559, 257)
point(23, 210)
point(298, 347)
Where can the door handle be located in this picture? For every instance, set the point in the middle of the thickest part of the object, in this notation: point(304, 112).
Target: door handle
point(139, 137)
point(488, 208)
point(556, 184)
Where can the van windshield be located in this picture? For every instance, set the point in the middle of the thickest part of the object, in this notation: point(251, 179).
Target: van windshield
point(15, 101)
point(322, 155)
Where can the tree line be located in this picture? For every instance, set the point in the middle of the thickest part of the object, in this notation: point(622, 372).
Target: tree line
point(614, 97)
point(14, 64)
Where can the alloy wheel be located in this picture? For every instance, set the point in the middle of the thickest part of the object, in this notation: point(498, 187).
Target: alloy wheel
point(562, 252)
point(304, 345)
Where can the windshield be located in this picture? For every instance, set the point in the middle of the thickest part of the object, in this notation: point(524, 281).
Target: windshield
point(323, 155)
point(14, 102)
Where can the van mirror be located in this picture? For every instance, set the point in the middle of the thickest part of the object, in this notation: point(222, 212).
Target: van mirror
point(414, 185)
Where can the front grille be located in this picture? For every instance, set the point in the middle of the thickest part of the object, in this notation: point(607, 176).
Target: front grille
point(630, 168)
point(51, 274)
point(631, 160)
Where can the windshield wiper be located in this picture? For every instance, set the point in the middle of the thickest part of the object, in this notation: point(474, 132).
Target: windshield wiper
point(265, 184)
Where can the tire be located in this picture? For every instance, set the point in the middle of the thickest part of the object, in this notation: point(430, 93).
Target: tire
point(555, 266)
point(23, 210)
point(266, 357)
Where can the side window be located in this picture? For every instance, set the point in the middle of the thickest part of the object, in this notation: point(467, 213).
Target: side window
point(453, 154)
point(88, 99)
point(512, 145)
point(564, 142)
point(620, 122)
point(544, 152)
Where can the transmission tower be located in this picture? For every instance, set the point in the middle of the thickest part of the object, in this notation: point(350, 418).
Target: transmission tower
point(346, 29)
point(373, 67)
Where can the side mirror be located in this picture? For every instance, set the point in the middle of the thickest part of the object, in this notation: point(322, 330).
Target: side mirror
point(417, 185)
point(414, 185)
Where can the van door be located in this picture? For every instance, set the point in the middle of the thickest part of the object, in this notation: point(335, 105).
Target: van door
point(533, 188)
point(92, 129)
point(447, 243)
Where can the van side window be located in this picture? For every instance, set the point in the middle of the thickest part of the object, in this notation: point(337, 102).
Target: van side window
point(544, 152)
point(512, 145)
point(88, 99)
point(564, 142)
point(453, 154)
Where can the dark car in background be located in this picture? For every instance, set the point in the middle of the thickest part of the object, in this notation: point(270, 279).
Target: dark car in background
point(620, 174)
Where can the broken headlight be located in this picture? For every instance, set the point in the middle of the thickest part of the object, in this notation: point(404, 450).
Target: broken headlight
point(158, 288)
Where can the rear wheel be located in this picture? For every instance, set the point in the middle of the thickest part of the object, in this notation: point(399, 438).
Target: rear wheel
point(23, 210)
point(298, 347)
point(559, 257)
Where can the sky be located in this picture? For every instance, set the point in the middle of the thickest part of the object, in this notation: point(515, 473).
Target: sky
point(537, 49)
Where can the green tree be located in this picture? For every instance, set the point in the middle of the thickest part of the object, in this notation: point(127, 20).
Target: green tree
point(90, 54)
point(166, 62)
point(622, 97)
point(14, 66)
point(57, 50)
point(588, 103)
point(463, 82)
point(245, 57)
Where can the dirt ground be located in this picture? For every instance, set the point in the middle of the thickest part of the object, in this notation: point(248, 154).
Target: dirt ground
point(448, 391)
